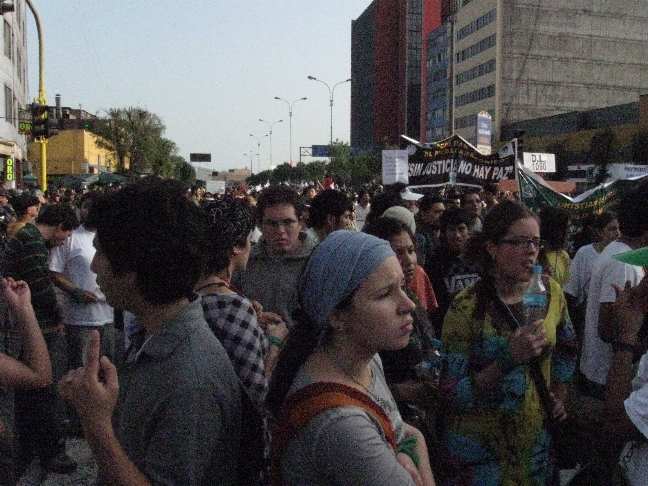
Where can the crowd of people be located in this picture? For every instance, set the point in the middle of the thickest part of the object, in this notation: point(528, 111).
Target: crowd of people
point(324, 337)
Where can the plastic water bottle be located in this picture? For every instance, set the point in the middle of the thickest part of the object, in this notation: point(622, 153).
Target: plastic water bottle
point(535, 297)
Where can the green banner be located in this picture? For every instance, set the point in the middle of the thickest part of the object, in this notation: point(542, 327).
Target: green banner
point(535, 193)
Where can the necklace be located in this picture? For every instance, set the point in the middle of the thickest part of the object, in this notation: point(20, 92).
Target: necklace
point(517, 323)
point(218, 284)
point(368, 391)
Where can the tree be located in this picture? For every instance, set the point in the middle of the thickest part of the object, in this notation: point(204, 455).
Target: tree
point(640, 147)
point(132, 134)
point(603, 152)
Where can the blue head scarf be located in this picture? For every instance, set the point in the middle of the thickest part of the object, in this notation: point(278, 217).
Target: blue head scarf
point(336, 268)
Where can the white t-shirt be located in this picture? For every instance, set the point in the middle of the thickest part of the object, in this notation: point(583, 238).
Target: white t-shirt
point(596, 355)
point(580, 272)
point(73, 259)
point(361, 215)
point(634, 458)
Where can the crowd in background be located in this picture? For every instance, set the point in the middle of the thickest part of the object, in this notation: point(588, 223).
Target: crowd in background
point(319, 335)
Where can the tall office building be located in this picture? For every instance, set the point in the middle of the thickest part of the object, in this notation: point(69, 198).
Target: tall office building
point(13, 74)
point(525, 59)
point(386, 63)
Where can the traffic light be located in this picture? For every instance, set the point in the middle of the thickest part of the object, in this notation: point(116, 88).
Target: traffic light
point(6, 7)
point(42, 125)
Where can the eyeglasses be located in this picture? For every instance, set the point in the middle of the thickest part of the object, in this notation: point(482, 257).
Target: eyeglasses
point(275, 224)
point(523, 243)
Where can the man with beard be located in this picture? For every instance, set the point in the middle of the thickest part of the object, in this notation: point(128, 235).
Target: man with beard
point(26, 258)
point(448, 270)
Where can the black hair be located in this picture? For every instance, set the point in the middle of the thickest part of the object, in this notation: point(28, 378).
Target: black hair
point(455, 217)
point(554, 223)
point(275, 195)
point(470, 190)
point(601, 220)
point(380, 204)
point(228, 224)
point(63, 214)
point(429, 200)
point(21, 202)
point(632, 213)
point(151, 228)
point(330, 202)
point(387, 228)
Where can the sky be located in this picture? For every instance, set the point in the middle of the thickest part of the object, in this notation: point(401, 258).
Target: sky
point(210, 69)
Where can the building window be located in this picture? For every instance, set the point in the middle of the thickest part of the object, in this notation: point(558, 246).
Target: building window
point(8, 40)
point(474, 96)
point(477, 71)
point(475, 25)
point(476, 48)
point(9, 115)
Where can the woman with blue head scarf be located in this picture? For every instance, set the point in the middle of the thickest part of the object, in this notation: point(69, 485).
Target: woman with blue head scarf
point(337, 422)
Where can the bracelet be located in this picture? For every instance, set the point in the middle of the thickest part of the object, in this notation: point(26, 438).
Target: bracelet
point(505, 360)
point(77, 294)
point(620, 346)
point(277, 341)
point(407, 446)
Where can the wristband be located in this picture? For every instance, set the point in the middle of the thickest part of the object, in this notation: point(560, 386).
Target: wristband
point(620, 346)
point(77, 294)
point(505, 360)
point(277, 341)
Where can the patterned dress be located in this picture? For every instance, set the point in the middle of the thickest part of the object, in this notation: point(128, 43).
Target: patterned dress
point(498, 438)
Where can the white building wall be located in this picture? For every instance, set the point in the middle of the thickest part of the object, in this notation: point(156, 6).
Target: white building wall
point(13, 79)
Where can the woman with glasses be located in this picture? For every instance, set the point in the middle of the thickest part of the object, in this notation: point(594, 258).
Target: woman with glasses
point(496, 423)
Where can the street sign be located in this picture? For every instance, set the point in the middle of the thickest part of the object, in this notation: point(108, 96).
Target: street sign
point(9, 169)
point(199, 157)
point(539, 162)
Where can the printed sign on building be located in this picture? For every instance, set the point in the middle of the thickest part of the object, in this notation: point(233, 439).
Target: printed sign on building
point(484, 132)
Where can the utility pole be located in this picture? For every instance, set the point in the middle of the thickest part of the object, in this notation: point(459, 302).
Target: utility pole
point(41, 92)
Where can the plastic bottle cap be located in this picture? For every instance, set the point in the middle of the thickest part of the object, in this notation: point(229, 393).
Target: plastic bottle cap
point(537, 269)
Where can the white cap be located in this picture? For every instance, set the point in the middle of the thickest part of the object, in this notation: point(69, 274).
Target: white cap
point(408, 195)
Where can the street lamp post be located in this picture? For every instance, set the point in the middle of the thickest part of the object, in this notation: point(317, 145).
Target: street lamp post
point(290, 105)
point(41, 92)
point(258, 139)
point(270, 125)
point(251, 155)
point(331, 91)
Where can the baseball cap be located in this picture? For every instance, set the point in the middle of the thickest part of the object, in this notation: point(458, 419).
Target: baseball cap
point(637, 257)
point(408, 195)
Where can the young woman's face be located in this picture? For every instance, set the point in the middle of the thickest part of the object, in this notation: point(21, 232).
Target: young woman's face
point(379, 317)
point(516, 253)
point(406, 253)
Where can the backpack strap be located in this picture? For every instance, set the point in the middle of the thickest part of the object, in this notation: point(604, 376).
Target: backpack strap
point(307, 403)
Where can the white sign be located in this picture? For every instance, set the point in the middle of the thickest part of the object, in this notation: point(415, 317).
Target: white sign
point(394, 166)
point(540, 162)
point(215, 187)
point(632, 170)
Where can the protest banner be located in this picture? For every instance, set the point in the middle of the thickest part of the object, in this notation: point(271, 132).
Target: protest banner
point(455, 161)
